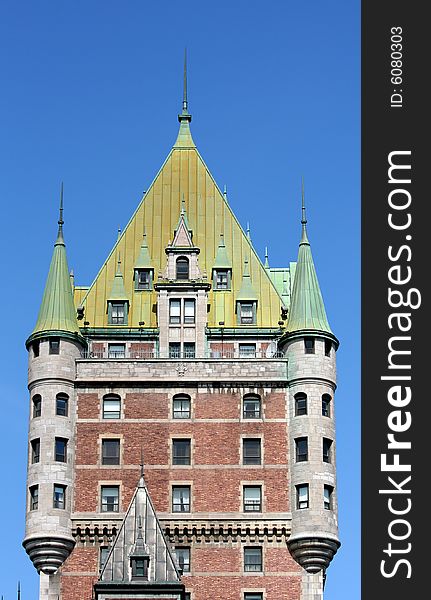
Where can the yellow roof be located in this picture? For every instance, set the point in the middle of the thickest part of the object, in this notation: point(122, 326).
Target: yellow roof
point(183, 176)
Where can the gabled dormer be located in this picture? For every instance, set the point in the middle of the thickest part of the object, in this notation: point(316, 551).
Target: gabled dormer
point(182, 264)
point(118, 301)
point(246, 301)
point(222, 269)
point(143, 269)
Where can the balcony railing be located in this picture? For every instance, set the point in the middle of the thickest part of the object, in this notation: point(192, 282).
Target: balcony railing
point(154, 354)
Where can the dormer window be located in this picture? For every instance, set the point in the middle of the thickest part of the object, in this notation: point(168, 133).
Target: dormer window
point(117, 313)
point(222, 279)
point(182, 268)
point(143, 279)
point(247, 313)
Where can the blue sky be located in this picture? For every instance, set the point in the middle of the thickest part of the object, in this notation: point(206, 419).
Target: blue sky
point(91, 93)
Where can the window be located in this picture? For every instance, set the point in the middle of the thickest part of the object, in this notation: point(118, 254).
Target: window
point(116, 350)
point(34, 497)
point(110, 452)
point(301, 447)
point(59, 498)
point(181, 498)
point(300, 404)
point(253, 559)
point(36, 349)
point(103, 555)
point(174, 312)
point(60, 449)
point(139, 567)
point(111, 407)
point(326, 405)
point(326, 450)
point(183, 558)
point(189, 311)
point(252, 495)
point(110, 498)
point(187, 596)
point(251, 452)
point(328, 347)
point(117, 313)
point(302, 496)
point(253, 596)
point(181, 407)
point(37, 405)
point(143, 279)
point(247, 350)
point(61, 405)
point(174, 350)
point(181, 452)
point(222, 279)
point(54, 346)
point(327, 497)
point(189, 350)
point(246, 313)
point(182, 268)
point(35, 451)
point(309, 345)
point(251, 407)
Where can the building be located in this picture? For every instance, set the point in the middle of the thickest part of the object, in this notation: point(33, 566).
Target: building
point(182, 434)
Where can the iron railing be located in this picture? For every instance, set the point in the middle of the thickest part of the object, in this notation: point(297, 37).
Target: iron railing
point(154, 354)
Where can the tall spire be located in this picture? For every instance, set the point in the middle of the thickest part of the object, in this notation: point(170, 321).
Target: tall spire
point(185, 111)
point(57, 312)
point(246, 291)
point(184, 139)
point(117, 291)
point(307, 310)
point(222, 260)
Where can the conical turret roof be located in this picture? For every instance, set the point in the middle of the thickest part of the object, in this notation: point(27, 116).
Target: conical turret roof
point(307, 310)
point(57, 311)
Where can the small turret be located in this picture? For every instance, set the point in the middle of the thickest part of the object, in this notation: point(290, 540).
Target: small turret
point(310, 347)
point(53, 346)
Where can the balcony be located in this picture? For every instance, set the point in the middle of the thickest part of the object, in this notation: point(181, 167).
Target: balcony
point(127, 354)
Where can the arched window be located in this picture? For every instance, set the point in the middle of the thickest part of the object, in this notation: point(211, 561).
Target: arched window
point(111, 406)
point(251, 406)
point(326, 405)
point(37, 405)
point(182, 268)
point(181, 406)
point(300, 404)
point(62, 405)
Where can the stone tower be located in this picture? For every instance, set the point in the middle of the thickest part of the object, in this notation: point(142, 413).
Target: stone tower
point(219, 369)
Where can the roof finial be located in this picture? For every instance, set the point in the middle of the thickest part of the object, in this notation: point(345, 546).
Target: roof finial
point(118, 233)
point(19, 591)
point(141, 479)
point(185, 104)
point(183, 206)
point(248, 231)
point(60, 239)
point(225, 191)
point(304, 238)
point(266, 258)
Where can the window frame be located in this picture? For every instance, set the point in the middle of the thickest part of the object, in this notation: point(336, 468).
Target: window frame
point(57, 500)
point(328, 348)
point(104, 456)
point(309, 345)
point(37, 406)
point(189, 349)
point(116, 354)
point(301, 397)
point(253, 595)
point(244, 319)
point(111, 398)
point(248, 459)
point(327, 450)
point(35, 451)
point(175, 315)
point(114, 318)
point(62, 397)
point(33, 491)
point(298, 453)
point(187, 555)
point(116, 498)
point(186, 488)
point(145, 286)
point(244, 353)
point(174, 349)
point(189, 319)
point(181, 398)
point(218, 285)
point(54, 346)
point(306, 488)
point(248, 565)
point(179, 459)
point(247, 487)
point(247, 414)
point(328, 503)
point(326, 405)
point(182, 260)
point(57, 453)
